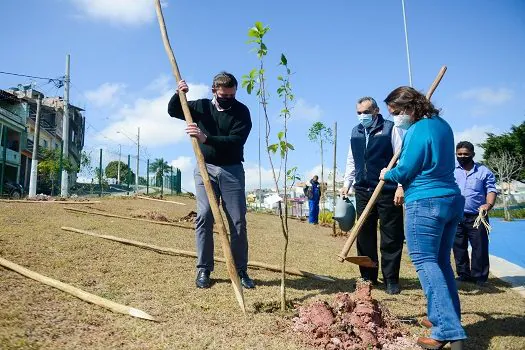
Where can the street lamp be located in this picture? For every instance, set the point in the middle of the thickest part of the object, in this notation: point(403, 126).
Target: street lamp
point(138, 155)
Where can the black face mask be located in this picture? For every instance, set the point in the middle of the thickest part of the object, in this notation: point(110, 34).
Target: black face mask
point(225, 102)
point(464, 160)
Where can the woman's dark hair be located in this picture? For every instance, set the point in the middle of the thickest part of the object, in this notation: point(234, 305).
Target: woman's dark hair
point(405, 98)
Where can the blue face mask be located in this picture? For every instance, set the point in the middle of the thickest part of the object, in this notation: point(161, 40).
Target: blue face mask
point(366, 119)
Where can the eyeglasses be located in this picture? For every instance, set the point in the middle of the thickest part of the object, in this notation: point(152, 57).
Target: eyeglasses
point(365, 112)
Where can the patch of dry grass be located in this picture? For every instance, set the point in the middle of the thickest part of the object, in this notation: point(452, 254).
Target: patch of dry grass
point(34, 316)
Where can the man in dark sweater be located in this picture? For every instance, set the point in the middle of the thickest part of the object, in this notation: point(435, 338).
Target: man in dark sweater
point(373, 142)
point(221, 126)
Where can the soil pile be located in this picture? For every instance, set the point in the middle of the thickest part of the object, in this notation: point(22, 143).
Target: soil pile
point(191, 217)
point(353, 321)
point(150, 215)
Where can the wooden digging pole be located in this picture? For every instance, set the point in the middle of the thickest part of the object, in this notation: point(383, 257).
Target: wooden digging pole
point(357, 227)
point(232, 271)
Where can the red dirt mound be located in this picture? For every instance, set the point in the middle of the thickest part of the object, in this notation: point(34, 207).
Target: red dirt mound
point(353, 321)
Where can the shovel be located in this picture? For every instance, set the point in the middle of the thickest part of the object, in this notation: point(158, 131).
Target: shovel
point(365, 260)
point(217, 216)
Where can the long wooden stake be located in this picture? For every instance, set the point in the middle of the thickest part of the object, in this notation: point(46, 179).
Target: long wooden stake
point(79, 293)
point(160, 200)
point(357, 227)
point(187, 253)
point(129, 218)
point(223, 233)
point(50, 202)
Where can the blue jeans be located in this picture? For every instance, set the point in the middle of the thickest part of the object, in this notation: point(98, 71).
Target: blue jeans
point(313, 213)
point(430, 228)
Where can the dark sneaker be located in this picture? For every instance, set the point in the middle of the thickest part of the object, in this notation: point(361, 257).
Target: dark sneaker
point(203, 279)
point(481, 283)
point(246, 281)
point(463, 278)
point(393, 288)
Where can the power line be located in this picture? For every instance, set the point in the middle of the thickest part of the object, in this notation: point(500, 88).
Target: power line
point(55, 80)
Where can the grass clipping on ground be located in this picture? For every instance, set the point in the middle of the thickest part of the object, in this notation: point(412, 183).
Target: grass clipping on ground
point(352, 321)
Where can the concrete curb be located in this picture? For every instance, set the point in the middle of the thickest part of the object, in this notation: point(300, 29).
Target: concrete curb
point(508, 272)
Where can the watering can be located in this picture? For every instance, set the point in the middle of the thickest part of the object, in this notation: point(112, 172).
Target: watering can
point(344, 213)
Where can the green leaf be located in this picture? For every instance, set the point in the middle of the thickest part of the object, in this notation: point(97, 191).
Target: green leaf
point(284, 61)
point(280, 135)
point(253, 32)
point(273, 148)
point(290, 146)
point(259, 26)
point(280, 78)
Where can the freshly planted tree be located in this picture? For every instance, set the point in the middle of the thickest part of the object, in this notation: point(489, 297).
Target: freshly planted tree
point(321, 134)
point(256, 81)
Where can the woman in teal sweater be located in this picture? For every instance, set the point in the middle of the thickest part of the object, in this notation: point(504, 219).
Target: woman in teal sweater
point(433, 209)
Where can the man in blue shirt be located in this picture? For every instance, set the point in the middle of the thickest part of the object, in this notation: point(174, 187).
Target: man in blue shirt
point(478, 185)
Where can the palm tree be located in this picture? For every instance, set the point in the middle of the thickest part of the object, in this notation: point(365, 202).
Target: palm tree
point(160, 167)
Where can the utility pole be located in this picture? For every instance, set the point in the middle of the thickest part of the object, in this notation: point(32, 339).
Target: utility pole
point(34, 157)
point(64, 188)
point(100, 174)
point(118, 165)
point(138, 161)
point(128, 175)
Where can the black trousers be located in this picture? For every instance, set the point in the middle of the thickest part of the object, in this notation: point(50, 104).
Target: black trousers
point(391, 235)
point(478, 268)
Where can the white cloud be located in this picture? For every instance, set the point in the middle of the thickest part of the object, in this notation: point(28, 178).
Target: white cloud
point(316, 170)
point(305, 111)
point(106, 95)
point(127, 12)
point(488, 96)
point(251, 171)
point(157, 128)
point(186, 165)
point(475, 135)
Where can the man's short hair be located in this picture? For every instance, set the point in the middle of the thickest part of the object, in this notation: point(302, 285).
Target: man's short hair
point(224, 79)
point(368, 98)
point(465, 144)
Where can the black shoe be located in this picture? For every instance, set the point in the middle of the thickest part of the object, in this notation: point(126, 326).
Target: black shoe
point(481, 283)
point(203, 279)
point(393, 288)
point(246, 281)
point(463, 278)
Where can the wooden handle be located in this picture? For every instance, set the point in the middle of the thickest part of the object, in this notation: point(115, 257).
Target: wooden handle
point(79, 293)
point(232, 271)
point(360, 222)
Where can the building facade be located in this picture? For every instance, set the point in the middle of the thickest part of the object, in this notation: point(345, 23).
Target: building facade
point(23, 102)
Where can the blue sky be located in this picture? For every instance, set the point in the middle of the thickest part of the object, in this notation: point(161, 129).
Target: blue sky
point(339, 52)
